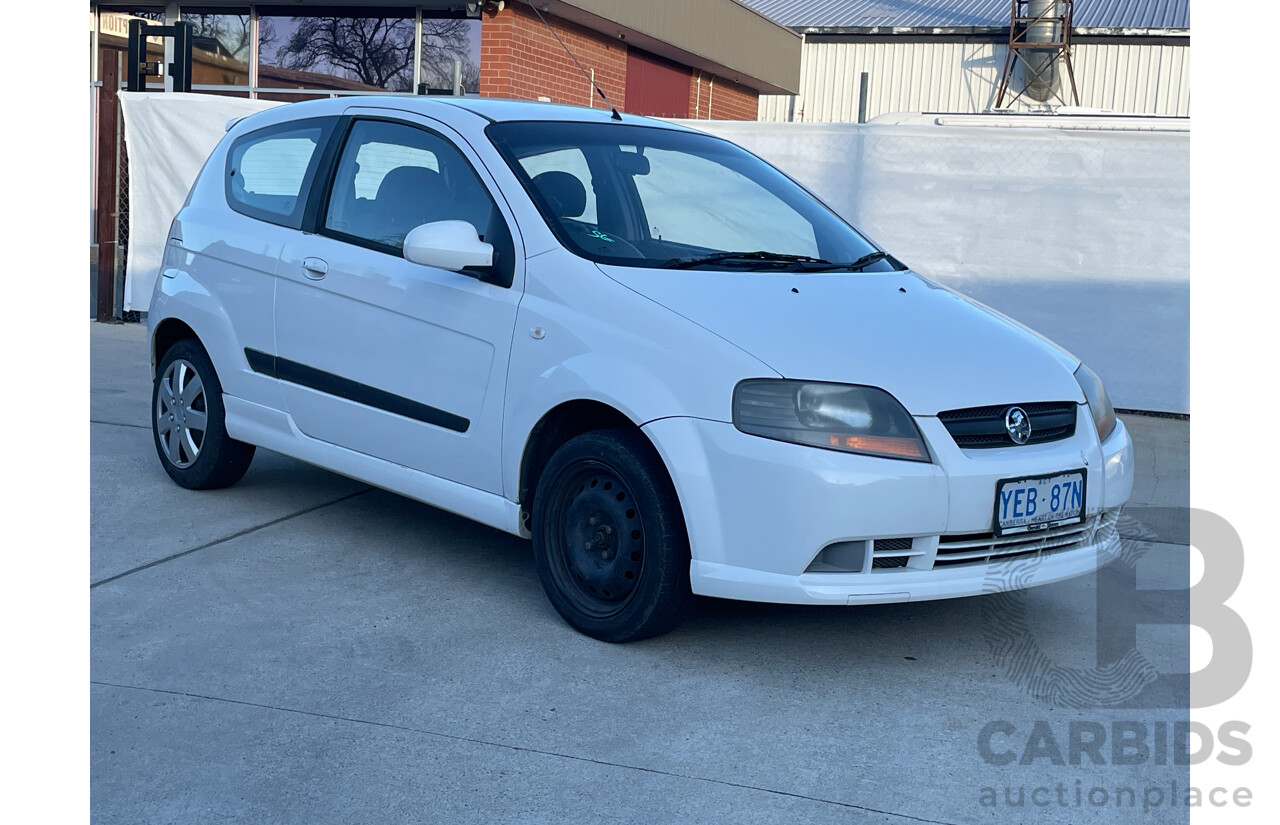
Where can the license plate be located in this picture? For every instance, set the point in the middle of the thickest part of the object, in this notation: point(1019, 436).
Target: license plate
point(1027, 504)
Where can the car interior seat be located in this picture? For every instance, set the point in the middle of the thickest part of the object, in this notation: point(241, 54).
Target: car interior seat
point(408, 197)
point(564, 193)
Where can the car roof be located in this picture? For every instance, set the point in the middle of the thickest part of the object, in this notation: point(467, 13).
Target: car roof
point(446, 108)
point(501, 109)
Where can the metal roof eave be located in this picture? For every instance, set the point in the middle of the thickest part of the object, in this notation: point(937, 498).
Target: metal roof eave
point(948, 14)
point(724, 38)
point(1002, 31)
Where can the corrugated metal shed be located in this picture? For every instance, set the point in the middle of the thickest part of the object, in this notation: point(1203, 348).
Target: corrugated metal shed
point(906, 75)
point(958, 14)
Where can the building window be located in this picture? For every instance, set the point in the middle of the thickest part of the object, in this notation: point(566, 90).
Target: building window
point(309, 52)
point(220, 46)
point(447, 43)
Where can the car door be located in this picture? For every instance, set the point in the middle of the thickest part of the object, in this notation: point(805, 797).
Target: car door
point(387, 357)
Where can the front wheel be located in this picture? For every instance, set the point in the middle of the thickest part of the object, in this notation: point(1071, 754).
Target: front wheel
point(609, 538)
point(188, 421)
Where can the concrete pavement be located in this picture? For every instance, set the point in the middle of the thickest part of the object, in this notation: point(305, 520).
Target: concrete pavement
point(300, 648)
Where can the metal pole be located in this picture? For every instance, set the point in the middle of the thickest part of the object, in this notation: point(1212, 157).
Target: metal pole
point(417, 48)
point(172, 14)
point(863, 82)
point(135, 80)
point(253, 53)
point(180, 68)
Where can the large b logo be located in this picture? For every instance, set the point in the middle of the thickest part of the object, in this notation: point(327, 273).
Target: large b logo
point(1123, 676)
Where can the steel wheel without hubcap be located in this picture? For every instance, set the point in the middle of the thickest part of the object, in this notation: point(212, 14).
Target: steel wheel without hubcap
point(182, 413)
point(609, 540)
point(601, 538)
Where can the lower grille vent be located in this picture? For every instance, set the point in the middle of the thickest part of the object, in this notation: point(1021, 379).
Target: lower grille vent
point(980, 548)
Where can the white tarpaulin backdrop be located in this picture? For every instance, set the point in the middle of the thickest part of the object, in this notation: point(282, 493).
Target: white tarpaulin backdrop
point(168, 137)
point(1083, 236)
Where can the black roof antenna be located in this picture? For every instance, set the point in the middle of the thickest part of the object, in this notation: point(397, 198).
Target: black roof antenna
point(585, 74)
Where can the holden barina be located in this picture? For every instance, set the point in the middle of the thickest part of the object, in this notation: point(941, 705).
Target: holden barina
point(664, 361)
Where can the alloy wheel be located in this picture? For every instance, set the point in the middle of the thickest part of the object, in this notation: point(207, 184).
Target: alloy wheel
point(182, 414)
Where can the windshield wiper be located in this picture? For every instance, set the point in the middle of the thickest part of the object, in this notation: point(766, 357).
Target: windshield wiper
point(793, 263)
point(857, 266)
point(758, 256)
point(867, 260)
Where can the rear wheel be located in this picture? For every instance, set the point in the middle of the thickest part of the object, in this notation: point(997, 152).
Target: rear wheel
point(609, 538)
point(188, 421)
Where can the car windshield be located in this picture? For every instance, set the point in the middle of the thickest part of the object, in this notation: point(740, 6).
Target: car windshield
point(661, 198)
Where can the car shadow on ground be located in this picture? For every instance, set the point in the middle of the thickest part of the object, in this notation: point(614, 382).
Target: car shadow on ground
point(469, 555)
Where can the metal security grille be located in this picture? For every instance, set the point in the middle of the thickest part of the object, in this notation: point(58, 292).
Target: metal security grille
point(983, 427)
point(122, 231)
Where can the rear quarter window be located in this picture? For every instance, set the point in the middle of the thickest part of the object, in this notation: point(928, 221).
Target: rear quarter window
point(269, 172)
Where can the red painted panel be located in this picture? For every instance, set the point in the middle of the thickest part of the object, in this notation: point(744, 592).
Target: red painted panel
point(655, 86)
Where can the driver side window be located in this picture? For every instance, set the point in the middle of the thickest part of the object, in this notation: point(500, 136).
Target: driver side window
point(392, 177)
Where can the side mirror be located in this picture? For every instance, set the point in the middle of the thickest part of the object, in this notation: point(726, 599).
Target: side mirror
point(452, 245)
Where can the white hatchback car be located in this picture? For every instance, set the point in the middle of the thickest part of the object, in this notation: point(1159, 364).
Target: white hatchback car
point(642, 346)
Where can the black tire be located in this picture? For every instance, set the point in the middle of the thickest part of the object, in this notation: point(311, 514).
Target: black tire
point(201, 459)
point(609, 538)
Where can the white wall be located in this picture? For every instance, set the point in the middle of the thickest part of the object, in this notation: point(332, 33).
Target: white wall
point(906, 76)
point(1083, 236)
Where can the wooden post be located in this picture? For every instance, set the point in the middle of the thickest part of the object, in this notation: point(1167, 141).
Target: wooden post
point(108, 124)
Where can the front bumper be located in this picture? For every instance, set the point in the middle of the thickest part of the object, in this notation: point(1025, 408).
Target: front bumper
point(776, 522)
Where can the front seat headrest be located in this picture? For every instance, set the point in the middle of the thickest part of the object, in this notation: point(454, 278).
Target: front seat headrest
point(564, 192)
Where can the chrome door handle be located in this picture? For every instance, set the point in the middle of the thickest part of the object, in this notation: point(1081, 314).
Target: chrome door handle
point(314, 268)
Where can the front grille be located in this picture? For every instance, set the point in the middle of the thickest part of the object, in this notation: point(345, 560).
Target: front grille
point(980, 548)
point(894, 556)
point(983, 427)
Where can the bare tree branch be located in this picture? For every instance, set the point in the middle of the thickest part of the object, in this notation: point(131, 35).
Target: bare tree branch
point(443, 41)
point(373, 50)
point(231, 31)
point(377, 51)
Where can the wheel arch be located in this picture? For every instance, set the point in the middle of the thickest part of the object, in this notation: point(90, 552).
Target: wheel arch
point(167, 333)
point(558, 425)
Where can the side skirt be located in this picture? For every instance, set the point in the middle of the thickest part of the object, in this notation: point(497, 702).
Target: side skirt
point(275, 430)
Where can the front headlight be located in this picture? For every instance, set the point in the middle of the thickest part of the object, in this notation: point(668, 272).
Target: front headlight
point(841, 417)
point(1104, 417)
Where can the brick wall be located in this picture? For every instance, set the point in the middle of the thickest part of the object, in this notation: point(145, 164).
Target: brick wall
point(519, 58)
point(726, 100)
